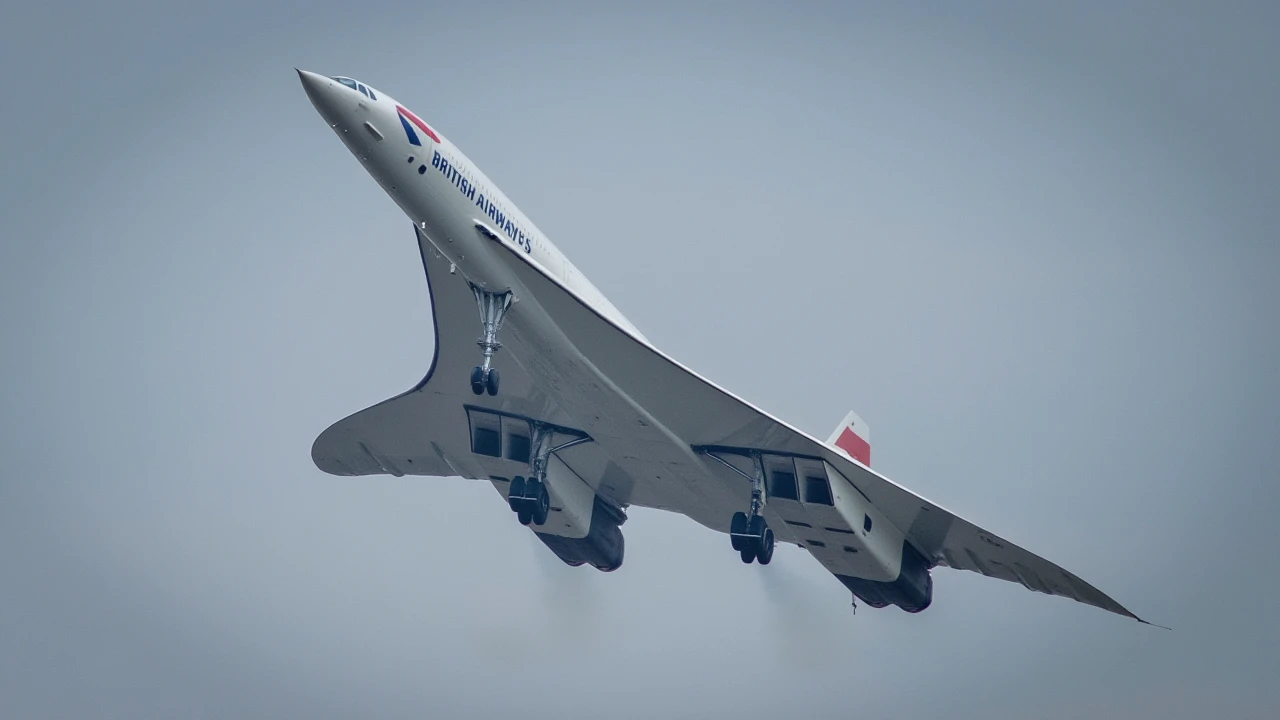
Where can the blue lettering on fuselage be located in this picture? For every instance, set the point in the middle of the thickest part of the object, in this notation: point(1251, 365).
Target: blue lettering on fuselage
point(504, 220)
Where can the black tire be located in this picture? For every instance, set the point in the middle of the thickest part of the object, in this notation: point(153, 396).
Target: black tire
point(756, 528)
point(525, 515)
point(766, 551)
point(533, 492)
point(491, 382)
point(541, 505)
point(477, 380)
point(748, 554)
point(737, 526)
point(515, 493)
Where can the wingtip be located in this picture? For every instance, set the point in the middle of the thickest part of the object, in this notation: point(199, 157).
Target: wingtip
point(1144, 622)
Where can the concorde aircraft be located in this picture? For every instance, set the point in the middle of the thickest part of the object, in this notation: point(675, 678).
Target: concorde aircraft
point(574, 416)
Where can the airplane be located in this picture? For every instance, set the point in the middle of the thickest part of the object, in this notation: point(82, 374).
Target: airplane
point(580, 417)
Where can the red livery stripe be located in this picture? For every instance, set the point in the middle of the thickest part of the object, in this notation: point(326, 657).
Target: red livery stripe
point(857, 448)
point(416, 121)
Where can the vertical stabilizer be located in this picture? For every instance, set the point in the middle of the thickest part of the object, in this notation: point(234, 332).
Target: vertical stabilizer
point(854, 437)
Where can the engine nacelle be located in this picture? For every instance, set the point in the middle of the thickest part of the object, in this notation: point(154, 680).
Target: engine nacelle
point(602, 548)
point(581, 528)
point(912, 590)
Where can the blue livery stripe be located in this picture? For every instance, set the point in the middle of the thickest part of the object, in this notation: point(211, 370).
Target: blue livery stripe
point(408, 130)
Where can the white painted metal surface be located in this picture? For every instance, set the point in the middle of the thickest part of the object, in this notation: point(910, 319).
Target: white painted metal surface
point(569, 357)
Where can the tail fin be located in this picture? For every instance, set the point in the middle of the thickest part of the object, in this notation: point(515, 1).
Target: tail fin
point(854, 437)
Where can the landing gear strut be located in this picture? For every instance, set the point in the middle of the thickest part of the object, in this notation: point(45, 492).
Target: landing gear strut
point(749, 532)
point(493, 309)
point(528, 497)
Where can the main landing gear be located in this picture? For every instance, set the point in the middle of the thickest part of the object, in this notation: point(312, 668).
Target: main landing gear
point(749, 532)
point(528, 497)
point(751, 537)
point(493, 309)
point(529, 500)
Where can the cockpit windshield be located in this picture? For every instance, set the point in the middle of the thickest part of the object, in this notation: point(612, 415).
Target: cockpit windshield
point(358, 87)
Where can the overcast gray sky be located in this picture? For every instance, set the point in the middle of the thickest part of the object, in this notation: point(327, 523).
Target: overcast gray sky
point(1034, 247)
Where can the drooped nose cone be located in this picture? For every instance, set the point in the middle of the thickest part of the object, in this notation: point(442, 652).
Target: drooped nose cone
point(325, 94)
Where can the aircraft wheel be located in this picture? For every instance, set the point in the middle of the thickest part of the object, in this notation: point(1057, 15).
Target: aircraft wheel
point(534, 492)
point(477, 380)
point(491, 381)
point(525, 515)
point(515, 494)
point(748, 554)
point(766, 547)
point(541, 505)
point(737, 526)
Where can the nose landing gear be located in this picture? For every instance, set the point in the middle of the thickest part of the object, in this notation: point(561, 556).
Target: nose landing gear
point(483, 380)
point(493, 309)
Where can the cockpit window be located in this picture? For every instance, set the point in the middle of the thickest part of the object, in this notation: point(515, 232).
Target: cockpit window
point(358, 87)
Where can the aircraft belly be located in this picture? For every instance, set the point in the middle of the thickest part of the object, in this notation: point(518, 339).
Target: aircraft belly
point(650, 468)
point(633, 459)
point(425, 431)
point(645, 428)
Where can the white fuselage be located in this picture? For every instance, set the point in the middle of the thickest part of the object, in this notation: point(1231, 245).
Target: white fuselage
point(453, 203)
point(646, 431)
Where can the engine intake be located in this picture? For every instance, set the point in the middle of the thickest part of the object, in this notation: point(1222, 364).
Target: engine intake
point(912, 591)
point(602, 548)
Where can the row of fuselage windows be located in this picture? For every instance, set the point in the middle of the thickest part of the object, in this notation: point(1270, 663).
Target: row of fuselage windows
point(358, 87)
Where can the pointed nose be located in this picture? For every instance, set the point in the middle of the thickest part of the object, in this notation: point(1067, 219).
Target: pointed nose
point(314, 85)
point(323, 93)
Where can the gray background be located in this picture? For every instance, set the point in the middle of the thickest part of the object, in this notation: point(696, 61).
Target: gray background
point(1035, 248)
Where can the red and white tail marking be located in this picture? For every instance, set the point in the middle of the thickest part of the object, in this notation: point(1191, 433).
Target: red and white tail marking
point(854, 437)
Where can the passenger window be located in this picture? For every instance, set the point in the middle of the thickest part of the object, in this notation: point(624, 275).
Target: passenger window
point(783, 485)
point(866, 523)
point(816, 491)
